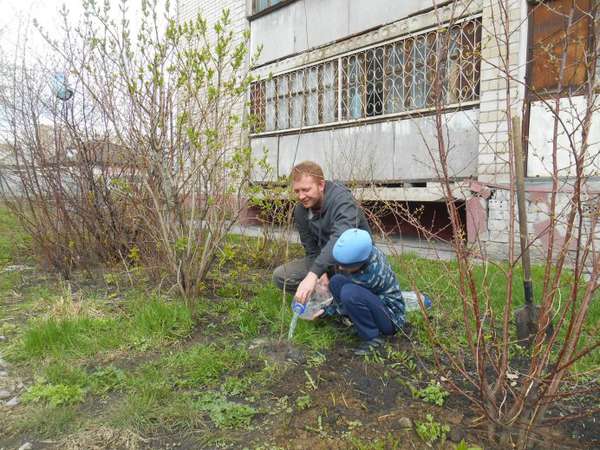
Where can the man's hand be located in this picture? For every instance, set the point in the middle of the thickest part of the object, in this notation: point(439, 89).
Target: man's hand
point(306, 287)
point(324, 280)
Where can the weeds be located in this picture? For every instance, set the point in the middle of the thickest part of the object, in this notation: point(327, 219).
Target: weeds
point(223, 413)
point(303, 402)
point(430, 430)
point(434, 393)
point(53, 394)
point(106, 380)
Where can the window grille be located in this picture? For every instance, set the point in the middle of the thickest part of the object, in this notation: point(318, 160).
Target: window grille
point(440, 67)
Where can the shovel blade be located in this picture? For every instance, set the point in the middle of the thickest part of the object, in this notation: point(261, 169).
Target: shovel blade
point(526, 321)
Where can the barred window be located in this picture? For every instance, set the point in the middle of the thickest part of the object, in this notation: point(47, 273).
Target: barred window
point(413, 73)
point(296, 99)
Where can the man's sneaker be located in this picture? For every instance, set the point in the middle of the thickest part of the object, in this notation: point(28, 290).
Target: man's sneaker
point(367, 347)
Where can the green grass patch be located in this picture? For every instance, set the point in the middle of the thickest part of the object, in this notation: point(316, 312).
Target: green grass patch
point(155, 407)
point(67, 338)
point(439, 279)
point(156, 320)
point(203, 365)
point(14, 241)
point(152, 321)
point(164, 391)
point(268, 313)
point(47, 421)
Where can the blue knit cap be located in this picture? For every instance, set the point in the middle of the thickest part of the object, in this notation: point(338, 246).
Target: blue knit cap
point(352, 247)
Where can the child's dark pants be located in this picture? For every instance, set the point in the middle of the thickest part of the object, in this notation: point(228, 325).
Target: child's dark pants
point(368, 313)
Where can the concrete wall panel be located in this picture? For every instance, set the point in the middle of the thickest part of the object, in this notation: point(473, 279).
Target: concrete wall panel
point(384, 151)
point(296, 148)
point(307, 24)
point(541, 128)
point(365, 14)
point(416, 144)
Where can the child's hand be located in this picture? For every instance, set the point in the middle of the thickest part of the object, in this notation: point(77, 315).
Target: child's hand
point(324, 280)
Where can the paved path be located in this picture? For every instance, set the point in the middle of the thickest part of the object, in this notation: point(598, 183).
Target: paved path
point(392, 246)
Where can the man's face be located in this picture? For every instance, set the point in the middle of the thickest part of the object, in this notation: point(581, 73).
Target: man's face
point(309, 191)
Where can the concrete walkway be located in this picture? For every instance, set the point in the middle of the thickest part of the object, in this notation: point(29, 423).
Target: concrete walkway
point(391, 246)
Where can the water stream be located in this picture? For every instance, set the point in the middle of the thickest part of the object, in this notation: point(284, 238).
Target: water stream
point(293, 324)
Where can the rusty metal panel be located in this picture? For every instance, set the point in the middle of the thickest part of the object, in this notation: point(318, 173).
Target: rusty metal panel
point(552, 37)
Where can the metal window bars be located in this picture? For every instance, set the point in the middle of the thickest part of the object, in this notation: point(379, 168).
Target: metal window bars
point(435, 68)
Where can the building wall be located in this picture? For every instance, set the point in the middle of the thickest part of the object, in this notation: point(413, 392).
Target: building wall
point(395, 149)
point(493, 210)
point(307, 24)
point(386, 149)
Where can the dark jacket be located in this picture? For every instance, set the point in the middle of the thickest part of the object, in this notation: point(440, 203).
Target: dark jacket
point(319, 231)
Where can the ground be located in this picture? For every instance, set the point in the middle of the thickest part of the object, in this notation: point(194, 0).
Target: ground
point(106, 360)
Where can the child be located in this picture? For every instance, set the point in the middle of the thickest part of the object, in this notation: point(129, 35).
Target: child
point(366, 289)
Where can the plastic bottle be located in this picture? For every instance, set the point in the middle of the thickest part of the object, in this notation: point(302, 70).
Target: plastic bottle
point(411, 301)
point(320, 299)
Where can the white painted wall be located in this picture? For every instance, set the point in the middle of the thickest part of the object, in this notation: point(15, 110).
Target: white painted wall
point(384, 151)
point(569, 138)
point(306, 24)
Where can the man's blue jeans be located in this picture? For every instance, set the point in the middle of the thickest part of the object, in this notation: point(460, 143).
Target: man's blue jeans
point(368, 313)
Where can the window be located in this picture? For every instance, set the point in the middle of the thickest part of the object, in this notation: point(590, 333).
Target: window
point(413, 73)
point(260, 5)
point(296, 99)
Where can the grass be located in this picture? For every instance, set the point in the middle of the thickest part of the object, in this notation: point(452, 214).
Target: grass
point(152, 322)
point(268, 313)
point(166, 391)
point(14, 241)
point(126, 360)
point(47, 421)
point(439, 279)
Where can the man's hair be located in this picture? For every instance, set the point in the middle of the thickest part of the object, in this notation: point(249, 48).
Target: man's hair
point(307, 168)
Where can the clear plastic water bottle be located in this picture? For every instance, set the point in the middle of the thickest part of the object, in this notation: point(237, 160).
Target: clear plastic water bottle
point(411, 301)
point(320, 299)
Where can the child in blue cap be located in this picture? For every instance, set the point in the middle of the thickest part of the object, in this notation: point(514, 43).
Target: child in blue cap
point(366, 289)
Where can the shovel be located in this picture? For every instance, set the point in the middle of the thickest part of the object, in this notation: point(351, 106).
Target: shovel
point(526, 317)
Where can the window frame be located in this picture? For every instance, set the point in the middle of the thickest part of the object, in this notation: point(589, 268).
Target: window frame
point(342, 85)
point(253, 13)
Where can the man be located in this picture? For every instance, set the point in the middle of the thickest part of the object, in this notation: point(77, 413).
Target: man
point(325, 209)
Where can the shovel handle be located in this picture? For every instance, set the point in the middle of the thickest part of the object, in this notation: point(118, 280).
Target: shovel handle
point(520, 186)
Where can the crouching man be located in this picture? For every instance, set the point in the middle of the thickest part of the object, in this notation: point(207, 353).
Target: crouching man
point(325, 209)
